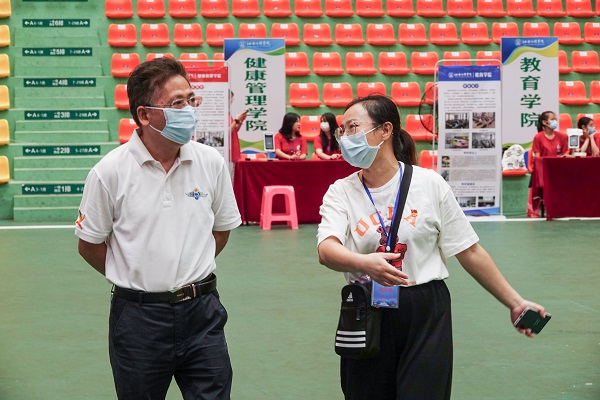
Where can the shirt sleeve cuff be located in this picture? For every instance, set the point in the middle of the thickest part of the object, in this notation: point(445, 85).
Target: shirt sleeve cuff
point(463, 246)
point(88, 238)
point(227, 227)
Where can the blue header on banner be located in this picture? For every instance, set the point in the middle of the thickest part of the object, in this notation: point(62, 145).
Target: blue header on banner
point(469, 73)
point(509, 45)
point(230, 46)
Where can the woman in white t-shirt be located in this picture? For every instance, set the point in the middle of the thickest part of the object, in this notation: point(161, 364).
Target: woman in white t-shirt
point(415, 361)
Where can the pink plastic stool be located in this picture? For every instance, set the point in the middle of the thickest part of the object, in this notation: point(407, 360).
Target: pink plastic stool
point(266, 209)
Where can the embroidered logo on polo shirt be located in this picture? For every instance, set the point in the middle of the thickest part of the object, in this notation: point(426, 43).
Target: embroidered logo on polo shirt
point(80, 220)
point(196, 194)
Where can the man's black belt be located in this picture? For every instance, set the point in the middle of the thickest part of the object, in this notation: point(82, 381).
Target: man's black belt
point(188, 292)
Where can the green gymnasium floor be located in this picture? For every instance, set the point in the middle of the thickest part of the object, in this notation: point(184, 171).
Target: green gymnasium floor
point(283, 310)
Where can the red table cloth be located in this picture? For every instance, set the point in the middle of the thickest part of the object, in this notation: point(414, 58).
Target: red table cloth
point(310, 180)
point(571, 186)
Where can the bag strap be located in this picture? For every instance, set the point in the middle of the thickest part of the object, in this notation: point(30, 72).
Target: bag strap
point(404, 186)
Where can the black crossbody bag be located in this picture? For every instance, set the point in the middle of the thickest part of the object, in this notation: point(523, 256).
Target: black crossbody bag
point(358, 332)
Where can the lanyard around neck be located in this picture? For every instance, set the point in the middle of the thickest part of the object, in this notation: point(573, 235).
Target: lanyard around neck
point(385, 232)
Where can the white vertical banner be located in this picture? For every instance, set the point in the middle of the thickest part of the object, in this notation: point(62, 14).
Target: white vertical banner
point(212, 85)
point(469, 129)
point(258, 85)
point(529, 85)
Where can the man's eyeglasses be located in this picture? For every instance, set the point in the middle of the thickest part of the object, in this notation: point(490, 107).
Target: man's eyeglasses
point(181, 103)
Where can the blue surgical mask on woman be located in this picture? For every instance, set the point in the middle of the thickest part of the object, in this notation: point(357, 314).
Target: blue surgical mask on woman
point(181, 123)
point(357, 151)
point(553, 124)
point(591, 130)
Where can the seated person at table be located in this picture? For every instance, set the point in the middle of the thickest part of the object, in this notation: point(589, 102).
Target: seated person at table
point(289, 145)
point(549, 142)
point(588, 142)
point(326, 147)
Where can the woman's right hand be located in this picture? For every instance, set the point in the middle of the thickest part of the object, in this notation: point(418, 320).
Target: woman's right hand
point(376, 265)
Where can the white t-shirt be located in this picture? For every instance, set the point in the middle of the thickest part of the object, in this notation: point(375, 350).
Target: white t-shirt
point(433, 226)
point(158, 226)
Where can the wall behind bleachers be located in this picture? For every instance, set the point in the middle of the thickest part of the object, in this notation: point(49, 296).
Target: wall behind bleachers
point(103, 130)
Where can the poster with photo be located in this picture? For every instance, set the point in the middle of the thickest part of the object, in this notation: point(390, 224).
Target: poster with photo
point(470, 149)
point(211, 84)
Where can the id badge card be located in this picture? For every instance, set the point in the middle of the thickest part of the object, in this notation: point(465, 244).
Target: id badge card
point(384, 296)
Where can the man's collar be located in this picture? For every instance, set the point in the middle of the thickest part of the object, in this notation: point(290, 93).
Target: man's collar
point(142, 155)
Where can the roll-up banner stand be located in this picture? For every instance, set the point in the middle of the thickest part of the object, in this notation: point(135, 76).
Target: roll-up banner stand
point(469, 129)
point(258, 86)
point(529, 86)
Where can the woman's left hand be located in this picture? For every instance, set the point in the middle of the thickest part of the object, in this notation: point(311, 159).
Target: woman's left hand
point(516, 312)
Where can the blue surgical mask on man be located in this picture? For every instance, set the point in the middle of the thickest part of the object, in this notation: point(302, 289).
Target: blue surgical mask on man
point(181, 123)
point(553, 124)
point(357, 151)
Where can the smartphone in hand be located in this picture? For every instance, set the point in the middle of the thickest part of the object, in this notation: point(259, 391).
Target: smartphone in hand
point(530, 319)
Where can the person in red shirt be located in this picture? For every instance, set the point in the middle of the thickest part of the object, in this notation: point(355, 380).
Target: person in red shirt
point(588, 142)
point(326, 147)
point(549, 142)
point(289, 145)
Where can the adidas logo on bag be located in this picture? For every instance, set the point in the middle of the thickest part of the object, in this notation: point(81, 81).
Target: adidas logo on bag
point(351, 339)
point(349, 299)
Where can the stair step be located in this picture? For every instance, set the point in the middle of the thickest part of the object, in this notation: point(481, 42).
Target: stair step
point(59, 97)
point(52, 62)
point(56, 161)
point(58, 71)
point(60, 102)
point(66, 37)
point(70, 91)
point(51, 174)
point(47, 200)
point(45, 214)
point(65, 137)
point(61, 125)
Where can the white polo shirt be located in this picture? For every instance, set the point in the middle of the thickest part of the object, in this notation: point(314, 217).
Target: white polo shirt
point(158, 226)
point(433, 225)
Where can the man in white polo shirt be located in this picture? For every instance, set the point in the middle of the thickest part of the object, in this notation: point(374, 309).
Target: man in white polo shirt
point(154, 215)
